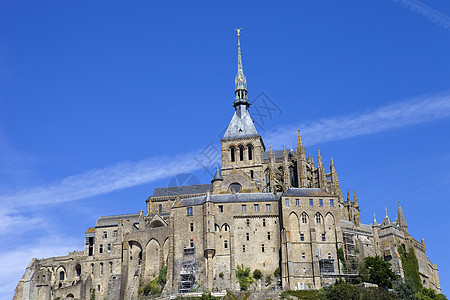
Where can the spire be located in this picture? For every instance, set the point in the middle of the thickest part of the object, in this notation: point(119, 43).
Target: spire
point(386, 222)
point(355, 199)
point(401, 220)
point(299, 140)
point(348, 197)
point(217, 176)
point(240, 80)
point(375, 223)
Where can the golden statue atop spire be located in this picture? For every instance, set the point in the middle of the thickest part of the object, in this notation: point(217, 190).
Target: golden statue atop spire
point(238, 31)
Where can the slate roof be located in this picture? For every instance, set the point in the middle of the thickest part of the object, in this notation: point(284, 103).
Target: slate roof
point(240, 127)
point(182, 190)
point(228, 198)
point(307, 192)
point(107, 221)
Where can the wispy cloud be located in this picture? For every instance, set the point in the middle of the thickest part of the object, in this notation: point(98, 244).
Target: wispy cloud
point(431, 14)
point(397, 115)
point(101, 181)
point(15, 261)
point(127, 174)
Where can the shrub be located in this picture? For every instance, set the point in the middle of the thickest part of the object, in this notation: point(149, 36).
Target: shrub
point(257, 274)
point(244, 277)
point(376, 270)
point(277, 273)
point(268, 279)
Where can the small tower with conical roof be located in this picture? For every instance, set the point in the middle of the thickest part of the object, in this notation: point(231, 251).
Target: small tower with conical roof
point(401, 220)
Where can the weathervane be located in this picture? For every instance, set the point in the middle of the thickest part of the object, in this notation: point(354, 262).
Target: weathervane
point(238, 31)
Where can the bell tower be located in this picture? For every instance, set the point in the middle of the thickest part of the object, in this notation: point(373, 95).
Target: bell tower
point(242, 146)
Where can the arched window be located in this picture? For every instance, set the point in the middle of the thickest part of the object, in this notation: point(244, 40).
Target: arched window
point(250, 151)
point(232, 154)
point(160, 208)
point(78, 270)
point(251, 174)
point(61, 275)
point(110, 267)
point(241, 153)
point(304, 218)
point(318, 218)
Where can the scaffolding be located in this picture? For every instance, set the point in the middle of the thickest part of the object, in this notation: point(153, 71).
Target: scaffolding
point(326, 266)
point(188, 270)
point(349, 245)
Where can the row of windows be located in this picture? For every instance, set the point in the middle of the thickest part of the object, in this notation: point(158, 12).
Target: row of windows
point(101, 268)
point(311, 202)
point(255, 207)
point(241, 152)
point(302, 237)
point(105, 234)
point(262, 248)
point(247, 235)
point(304, 258)
point(100, 248)
point(190, 212)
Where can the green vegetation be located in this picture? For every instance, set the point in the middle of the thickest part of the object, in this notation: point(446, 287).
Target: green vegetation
point(244, 277)
point(221, 274)
point(277, 273)
point(307, 295)
point(404, 289)
point(241, 296)
point(268, 279)
point(429, 294)
point(341, 257)
point(155, 286)
point(257, 274)
point(376, 270)
point(410, 266)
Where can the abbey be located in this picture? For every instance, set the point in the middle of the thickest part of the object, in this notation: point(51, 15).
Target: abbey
point(263, 209)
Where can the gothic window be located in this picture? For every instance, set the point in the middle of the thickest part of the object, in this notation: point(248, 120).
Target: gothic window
point(304, 218)
point(331, 202)
point(226, 227)
point(318, 218)
point(250, 151)
point(232, 153)
point(77, 269)
point(160, 208)
point(61, 275)
point(291, 176)
point(189, 211)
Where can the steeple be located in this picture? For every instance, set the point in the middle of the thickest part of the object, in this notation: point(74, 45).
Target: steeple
point(240, 97)
point(355, 199)
point(241, 124)
point(401, 220)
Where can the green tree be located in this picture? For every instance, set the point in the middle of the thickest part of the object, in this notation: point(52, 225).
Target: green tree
point(378, 271)
point(244, 277)
point(257, 274)
point(404, 289)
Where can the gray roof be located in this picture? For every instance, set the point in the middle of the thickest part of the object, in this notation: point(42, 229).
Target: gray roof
point(113, 220)
point(240, 127)
point(307, 192)
point(217, 176)
point(182, 190)
point(227, 198)
point(277, 153)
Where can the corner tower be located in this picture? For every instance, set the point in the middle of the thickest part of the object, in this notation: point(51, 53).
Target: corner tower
point(242, 146)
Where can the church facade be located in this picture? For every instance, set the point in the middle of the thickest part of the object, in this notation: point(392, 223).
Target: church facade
point(263, 209)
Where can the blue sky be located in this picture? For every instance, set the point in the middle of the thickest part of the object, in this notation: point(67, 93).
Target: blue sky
point(101, 102)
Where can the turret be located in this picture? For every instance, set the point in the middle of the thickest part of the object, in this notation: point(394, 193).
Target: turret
point(216, 182)
point(401, 220)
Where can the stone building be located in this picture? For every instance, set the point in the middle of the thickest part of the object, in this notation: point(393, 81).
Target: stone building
point(263, 209)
